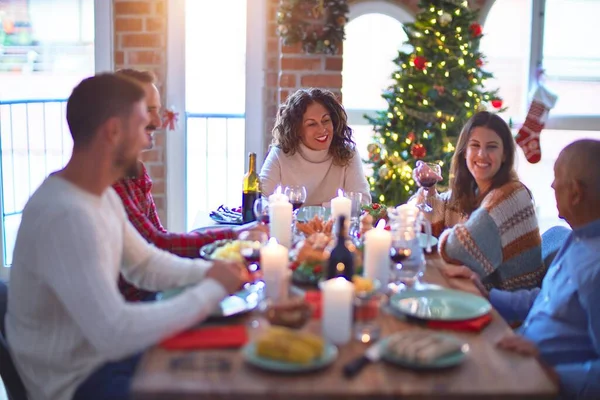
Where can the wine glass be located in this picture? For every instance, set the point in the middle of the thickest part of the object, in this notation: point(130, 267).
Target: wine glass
point(426, 175)
point(406, 255)
point(250, 244)
point(261, 210)
point(297, 195)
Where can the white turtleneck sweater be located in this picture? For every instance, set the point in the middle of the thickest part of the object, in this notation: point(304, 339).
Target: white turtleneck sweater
point(66, 316)
point(315, 170)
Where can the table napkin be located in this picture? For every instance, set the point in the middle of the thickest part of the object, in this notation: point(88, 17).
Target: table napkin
point(220, 337)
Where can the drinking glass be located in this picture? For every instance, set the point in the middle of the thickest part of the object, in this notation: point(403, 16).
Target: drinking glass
point(250, 244)
point(355, 211)
point(297, 196)
point(426, 175)
point(261, 210)
point(408, 260)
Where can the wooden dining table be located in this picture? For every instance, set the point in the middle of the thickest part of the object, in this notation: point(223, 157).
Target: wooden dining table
point(487, 371)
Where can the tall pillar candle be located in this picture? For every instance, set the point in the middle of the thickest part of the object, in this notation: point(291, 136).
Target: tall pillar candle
point(280, 218)
point(337, 296)
point(378, 243)
point(274, 266)
point(341, 205)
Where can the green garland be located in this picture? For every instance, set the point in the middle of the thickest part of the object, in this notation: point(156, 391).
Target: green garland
point(299, 21)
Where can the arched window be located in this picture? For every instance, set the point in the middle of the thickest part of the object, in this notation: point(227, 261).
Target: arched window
point(373, 37)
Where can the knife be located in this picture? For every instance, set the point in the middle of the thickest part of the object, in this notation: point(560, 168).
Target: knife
point(373, 354)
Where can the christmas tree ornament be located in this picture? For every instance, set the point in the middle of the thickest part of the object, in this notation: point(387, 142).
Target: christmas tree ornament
point(411, 136)
point(496, 103)
point(384, 171)
point(528, 137)
point(420, 62)
point(445, 19)
point(418, 151)
point(169, 119)
point(476, 30)
point(479, 62)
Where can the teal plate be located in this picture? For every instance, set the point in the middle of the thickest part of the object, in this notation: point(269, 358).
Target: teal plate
point(330, 353)
point(309, 212)
point(440, 305)
point(446, 361)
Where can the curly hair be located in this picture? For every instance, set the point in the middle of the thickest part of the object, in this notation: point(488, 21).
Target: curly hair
point(286, 132)
point(462, 183)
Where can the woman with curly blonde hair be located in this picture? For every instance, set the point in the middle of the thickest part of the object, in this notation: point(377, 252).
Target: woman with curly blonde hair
point(313, 147)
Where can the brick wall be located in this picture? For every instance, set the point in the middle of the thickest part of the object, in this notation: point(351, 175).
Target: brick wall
point(289, 69)
point(140, 42)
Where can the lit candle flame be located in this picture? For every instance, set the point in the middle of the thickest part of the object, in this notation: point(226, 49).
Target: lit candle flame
point(273, 241)
point(380, 224)
point(278, 190)
point(340, 193)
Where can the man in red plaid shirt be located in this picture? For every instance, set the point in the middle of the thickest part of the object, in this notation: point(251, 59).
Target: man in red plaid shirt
point(135, 192)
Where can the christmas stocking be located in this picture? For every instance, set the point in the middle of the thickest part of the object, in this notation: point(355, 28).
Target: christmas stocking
point(529, 134)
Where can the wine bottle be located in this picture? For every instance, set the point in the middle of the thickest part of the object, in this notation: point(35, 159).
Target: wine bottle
point(250, 190)
point(341, 260)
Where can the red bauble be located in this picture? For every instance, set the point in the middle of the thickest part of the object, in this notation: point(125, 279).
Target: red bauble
point(420, 62)
point(496, 103)
point(479, 62)
point(411, 136)
point(418, 151)
point(475, 29)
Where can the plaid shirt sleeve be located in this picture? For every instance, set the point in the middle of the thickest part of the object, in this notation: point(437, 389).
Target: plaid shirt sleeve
point(182, 244)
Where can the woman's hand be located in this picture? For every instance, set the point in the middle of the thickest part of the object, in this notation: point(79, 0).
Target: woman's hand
point(458, 274)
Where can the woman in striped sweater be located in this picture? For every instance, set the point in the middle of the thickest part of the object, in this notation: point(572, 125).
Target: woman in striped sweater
point(487, 220)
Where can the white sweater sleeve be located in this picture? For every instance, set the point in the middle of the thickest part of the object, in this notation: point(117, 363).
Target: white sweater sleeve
point(82, 278)
point(355, 180)
point(270, 173)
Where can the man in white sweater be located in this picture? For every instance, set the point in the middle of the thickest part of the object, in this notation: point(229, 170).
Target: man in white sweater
point(71, 333)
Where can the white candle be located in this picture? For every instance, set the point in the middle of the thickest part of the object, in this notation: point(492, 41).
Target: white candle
point(280, 218)
point(337, 297)
point(274, 266)
point(341, 205)
point(378, 243)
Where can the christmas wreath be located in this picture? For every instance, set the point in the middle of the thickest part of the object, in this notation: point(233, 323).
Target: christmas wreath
point(302, 21)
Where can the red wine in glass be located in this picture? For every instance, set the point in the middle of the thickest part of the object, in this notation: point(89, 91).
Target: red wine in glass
point(296, 205)
point(399, 254)
point(428, 182)
point(263, 219)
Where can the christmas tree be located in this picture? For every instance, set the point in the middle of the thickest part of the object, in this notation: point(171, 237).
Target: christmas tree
point(438, 86)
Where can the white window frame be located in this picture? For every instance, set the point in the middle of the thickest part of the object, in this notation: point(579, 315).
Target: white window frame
point(176, 162)
point(103, 60)
point(396, 11)
point(555, 121)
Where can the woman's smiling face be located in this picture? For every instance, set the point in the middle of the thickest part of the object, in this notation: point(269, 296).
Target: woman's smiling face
point(317, 127)
point(484, 156)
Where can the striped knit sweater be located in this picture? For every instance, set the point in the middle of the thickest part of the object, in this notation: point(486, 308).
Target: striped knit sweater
point(500, 240)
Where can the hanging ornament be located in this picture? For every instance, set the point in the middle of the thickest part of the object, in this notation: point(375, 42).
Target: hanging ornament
point(475, 29)
point(169, 119)
point(440, 89)
point(420, 62)
point(341, 20)
point(445, 19)
point(384, 171)
point(372, 147)
point(418, 151)
point(479, 62)
point(411, 136)
point(496, 103)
